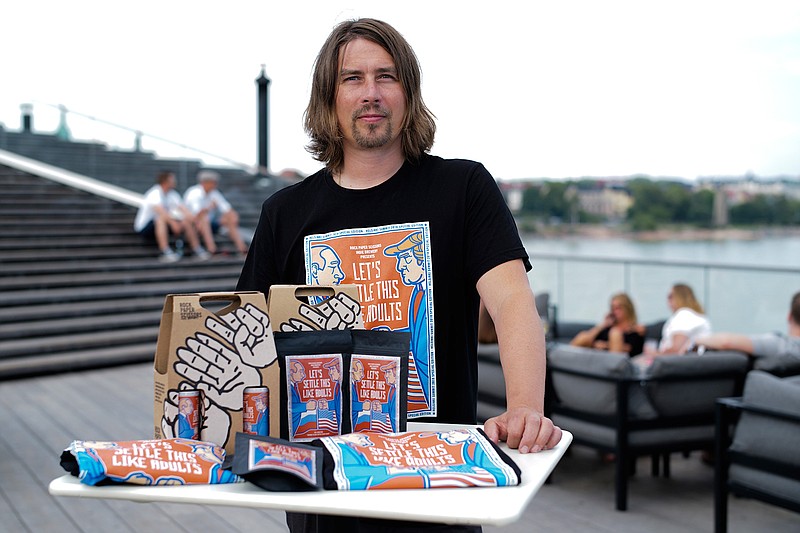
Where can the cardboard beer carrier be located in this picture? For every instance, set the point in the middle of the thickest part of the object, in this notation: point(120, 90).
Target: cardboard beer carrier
point(219, 353)
point(222, 352)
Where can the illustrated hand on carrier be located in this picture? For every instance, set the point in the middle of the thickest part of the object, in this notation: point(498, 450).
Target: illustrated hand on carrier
point(216, 370)
point(248, 330)
point(339, 312)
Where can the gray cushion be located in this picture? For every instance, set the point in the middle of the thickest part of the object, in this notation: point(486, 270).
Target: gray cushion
point(543, 305)
point(491, 379)
point(781, 366)
point(678, 398)
point(640, 437)
point(764, 436)
point(779, 486)
point(583, 393)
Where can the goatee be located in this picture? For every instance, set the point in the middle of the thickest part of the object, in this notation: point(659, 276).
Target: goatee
point(376, 135)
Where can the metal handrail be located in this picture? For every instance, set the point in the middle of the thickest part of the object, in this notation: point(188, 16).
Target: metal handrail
point(139, 134)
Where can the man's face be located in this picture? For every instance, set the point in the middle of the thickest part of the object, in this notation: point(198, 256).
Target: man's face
point(297, 373)
point(169, 183)
point(358, 371)
point(186, 408)
point(331, 273)
point(370, 101)
point(409, 268)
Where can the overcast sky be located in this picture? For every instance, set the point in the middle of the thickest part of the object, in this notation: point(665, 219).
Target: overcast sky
point(529, 88)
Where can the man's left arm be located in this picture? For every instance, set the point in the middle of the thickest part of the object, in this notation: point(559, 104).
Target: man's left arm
point(507, 296)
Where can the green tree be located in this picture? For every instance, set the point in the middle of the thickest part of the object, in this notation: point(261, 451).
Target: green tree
point(766, 210)
point(658, 202)
point(549, 200)
point(701, 208)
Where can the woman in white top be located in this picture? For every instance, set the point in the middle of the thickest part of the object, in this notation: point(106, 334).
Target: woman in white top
point(686, 323)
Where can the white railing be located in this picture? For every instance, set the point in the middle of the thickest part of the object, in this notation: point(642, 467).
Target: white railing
point(746, 299)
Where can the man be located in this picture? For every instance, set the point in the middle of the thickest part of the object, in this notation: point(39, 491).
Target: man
point(369, 125)
point(162, 212)
point(211, 210)
point(765, 344)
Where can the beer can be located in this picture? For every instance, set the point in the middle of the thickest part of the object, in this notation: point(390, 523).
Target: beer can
point(255, 411)
point(189, 414)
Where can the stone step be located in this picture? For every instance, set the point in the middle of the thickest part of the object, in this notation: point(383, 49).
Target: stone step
point(79, 324)
point(87, 309)
point(102, 265)
point(87, 293)
point(74, 361)
point(57, 254)
point(81, 341)
point(209, 269)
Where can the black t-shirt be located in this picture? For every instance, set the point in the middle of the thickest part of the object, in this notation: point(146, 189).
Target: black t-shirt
point(456, 202)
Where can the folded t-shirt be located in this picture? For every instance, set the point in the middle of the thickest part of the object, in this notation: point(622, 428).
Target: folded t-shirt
point(366, 461)
point(147, 462)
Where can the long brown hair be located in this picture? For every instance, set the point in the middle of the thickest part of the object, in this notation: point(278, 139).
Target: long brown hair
point(418, 127)
point(684, 297)
point(627, 304)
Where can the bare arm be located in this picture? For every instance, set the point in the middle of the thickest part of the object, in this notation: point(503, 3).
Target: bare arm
point(508, 298)
point(727, 341)
point(586, 337)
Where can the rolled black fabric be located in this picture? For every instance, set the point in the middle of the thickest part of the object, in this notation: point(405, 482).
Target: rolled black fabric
point(278, 465)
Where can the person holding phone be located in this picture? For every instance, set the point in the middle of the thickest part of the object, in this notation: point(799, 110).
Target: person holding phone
point(619, 331)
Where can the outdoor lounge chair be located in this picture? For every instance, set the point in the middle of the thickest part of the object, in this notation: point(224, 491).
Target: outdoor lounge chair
point(763, 459)
point(607, 404)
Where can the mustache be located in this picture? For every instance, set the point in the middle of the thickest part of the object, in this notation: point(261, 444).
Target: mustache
point(372, 109)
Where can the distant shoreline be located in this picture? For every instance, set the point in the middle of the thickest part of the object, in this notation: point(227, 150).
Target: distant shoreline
point(596, 231)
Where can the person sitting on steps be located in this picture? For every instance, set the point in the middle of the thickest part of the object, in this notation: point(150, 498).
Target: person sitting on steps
point(162, 212)
point(211, 210)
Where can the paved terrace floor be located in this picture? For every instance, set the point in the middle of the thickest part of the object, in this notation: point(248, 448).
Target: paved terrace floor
point(40, 416)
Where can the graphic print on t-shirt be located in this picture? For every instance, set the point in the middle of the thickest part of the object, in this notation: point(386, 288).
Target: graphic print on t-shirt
point(393, 270)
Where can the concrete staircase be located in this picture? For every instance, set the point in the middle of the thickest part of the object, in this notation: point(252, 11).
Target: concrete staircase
point(78, 288)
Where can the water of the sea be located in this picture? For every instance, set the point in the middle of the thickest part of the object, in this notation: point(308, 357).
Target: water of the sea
point(745, 300)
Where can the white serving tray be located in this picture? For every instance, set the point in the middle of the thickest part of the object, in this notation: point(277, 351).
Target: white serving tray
point(488, 506)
